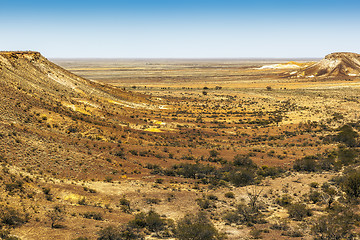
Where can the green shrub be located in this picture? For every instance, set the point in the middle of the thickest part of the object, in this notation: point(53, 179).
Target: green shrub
point(284, 200)
point(152, 200)
point(48, 195)
point(124, 202)
point(139, 221)
point(15, 186)
point(248, 214)
point(346, 156)
point(11, 217)
point(118, 233)
point(196, 227)
point(46, 191)
point(339, 224)
point(93, 215)
point(351, 184)
point(307, 164)
point(134, 152)
point(82, 201)
point(5, 235)
point(204, 203)
point(120, 154)
point(159, 181)
point(315, 196)
point(213, 153)
point(232, 217)
point(299, 211)
point(151, 220)
point(125, 205)
point(188, 170)
point(280, 224)
point(266, 171)
point(229, 195)
point(347, 136)
point(154, 222)
point(255, 233)
point(212, 197)
point(243, 161)
point(242, 177)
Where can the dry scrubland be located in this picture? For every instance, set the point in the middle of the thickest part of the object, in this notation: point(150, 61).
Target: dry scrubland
point(251, 152)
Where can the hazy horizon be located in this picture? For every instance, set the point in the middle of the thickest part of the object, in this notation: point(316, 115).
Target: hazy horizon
point(198, 29)
point(184, 59)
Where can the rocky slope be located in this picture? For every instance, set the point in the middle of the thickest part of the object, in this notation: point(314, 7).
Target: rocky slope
point(341, 64)
point(45, 107)
point(39, 79)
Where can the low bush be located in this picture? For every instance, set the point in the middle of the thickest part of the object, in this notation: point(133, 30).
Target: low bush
point(298, 211)
point(232, 217)
point(15, 186)
point(6, 235)
point(118, 233)
point(351, 184)
point(93, 215)
point(11, 217)
point(205, 203)
point(197, 227)
point(56, 216)
point(347, 135)
point(315, 196)
point(125, 205)
point(307, 164)
point(284, 200)
point(266, 171)
point(242, 177)
point(243, 161)
point(339, 224)
point(151, 220)
point(229, 195)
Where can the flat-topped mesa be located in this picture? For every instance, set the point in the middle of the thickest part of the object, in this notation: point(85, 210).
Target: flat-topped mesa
point(19, 53)
point(334, 65)
point(15, 55)
point(342, 55)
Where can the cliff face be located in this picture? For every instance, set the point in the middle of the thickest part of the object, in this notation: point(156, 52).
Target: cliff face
point(341, 64)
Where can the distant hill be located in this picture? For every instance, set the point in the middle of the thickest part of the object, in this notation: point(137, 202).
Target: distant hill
point(341, 64)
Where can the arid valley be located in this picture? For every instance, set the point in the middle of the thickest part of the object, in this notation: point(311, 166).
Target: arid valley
point(174, 149)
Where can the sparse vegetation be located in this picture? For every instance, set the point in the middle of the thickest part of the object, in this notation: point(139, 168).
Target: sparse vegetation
point(11, 217)
point(56, 216)
point(125, 164)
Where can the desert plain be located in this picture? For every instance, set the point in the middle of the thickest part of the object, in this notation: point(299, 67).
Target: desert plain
point(259, 148)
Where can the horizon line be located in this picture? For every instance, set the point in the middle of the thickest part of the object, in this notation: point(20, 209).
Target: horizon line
point(183, 58)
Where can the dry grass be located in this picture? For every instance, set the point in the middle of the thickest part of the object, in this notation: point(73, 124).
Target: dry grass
point(91, 143)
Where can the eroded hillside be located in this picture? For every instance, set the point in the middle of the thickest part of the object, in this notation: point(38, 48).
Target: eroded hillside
point(334, 65)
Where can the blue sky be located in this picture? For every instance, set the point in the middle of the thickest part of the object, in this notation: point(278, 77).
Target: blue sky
point(180, 29)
